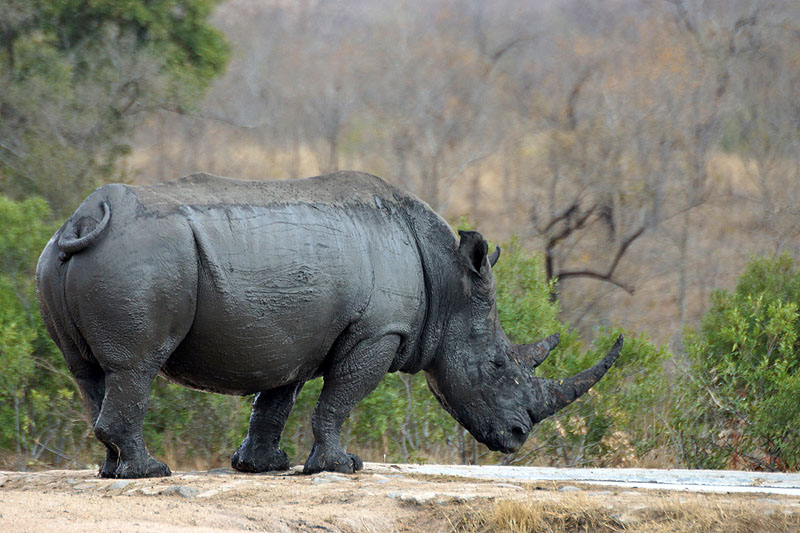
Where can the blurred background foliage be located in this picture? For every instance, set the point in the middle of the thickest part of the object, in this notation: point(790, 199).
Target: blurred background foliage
point(639, 158)
point(77, 77)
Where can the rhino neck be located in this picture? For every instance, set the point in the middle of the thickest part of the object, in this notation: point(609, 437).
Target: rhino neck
point(436, 245)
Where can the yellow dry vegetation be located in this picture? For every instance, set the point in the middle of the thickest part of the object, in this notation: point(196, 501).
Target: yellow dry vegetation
point(659, 513)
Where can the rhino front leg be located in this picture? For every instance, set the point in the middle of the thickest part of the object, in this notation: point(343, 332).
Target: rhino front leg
point(260, 451)
point(350, 379)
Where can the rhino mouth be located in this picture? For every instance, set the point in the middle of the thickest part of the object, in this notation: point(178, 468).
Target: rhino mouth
point(507, 440)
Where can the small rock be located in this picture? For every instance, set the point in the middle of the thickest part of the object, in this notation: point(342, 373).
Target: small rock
point(626, 519)
point(569, 488)
point(508, 486)
point(329, 478)
point(222, 471)
point(121, 484)
point(422, 498)
point(419, 499)
point(182, 490)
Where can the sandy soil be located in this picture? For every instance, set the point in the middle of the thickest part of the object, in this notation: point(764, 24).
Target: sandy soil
point(376, 499)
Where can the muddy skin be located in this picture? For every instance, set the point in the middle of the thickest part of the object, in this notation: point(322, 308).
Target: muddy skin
point(240, 287)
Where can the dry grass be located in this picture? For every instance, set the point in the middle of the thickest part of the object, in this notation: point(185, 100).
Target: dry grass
point(654, 514)
point(570, 514)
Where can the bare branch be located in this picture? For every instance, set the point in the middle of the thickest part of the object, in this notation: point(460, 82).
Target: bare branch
point(572, 101)
point(501, 50)
point(608, 276)
point(595, 275)
point(571, 226)
point(623, 247)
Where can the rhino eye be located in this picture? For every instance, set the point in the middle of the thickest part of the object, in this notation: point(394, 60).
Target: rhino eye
point(499, 362)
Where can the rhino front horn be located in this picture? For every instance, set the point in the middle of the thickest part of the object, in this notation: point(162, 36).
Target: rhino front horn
point(534, 354)
point(555, 395)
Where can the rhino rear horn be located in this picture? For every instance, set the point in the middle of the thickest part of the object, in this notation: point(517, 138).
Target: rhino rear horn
point(534, 354)
point(559, 394)
point(494, 256)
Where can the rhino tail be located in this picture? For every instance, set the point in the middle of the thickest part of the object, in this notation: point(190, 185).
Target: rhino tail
point(70, 242)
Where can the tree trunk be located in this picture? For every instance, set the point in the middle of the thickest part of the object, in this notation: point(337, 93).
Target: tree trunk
point(683, 254)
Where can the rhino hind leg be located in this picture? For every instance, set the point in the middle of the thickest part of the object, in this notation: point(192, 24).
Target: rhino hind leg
point(260, 450)
point(91, 382)
point(129, 370)
point(89, 375)
point(119, 426)
point(350, 379)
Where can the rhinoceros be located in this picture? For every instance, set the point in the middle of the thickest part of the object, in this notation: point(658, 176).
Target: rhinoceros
point(255, 287)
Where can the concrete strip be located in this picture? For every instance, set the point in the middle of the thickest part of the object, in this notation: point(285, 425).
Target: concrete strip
point(718, 481)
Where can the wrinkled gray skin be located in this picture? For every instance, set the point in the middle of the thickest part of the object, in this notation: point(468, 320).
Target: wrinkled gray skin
point(242, 287)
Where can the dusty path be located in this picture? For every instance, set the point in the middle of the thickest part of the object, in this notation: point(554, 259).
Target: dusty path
point(380, 498)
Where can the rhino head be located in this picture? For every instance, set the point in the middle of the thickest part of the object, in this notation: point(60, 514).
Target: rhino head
point(485, 381)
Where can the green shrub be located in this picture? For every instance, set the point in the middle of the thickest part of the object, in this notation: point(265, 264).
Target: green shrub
point(189, 427)
point(740, 408)
point(39, 403)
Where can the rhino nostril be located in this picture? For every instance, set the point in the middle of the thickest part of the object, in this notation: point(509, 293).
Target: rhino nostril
point(518, 432)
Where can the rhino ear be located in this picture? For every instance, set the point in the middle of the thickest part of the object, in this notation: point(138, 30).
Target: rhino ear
point(473, 248)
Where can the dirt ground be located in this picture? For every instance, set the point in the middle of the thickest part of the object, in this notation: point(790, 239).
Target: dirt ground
point(376, 499)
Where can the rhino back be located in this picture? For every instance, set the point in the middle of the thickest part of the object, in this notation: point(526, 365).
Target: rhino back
point(341, 189)
point(287, 269)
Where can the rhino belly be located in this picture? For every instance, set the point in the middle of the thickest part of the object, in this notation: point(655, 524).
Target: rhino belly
point(276, 289)
point(230, 357)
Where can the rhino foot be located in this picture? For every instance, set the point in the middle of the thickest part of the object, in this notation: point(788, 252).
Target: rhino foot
point(131, 470)
point(332, 461)
point(246, 460)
